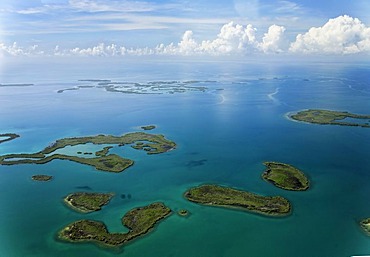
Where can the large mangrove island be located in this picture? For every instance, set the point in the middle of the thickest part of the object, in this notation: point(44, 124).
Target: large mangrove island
point(328, 117)
point(139, 221)
point(214, 195)
point(152, 144)
point(285, 176)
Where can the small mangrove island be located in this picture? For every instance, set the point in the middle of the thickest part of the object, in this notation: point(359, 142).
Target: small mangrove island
point(183, 212)
point(42, 177)
point(365, 225)
point(149, 127)
point(139, 221)
point(7, 137)
point(87, 202)
point(285, 176)
point(328, 117)
point(154, 144)
point(214, 195)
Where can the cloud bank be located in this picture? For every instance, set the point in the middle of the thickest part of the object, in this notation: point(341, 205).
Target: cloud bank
point(342, 35)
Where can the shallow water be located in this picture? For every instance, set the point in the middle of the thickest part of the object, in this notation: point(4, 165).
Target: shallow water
point(223, 136)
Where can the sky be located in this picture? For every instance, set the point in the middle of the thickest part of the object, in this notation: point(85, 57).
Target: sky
point(183, 27)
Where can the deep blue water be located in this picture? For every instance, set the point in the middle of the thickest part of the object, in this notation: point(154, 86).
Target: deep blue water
point(223, 137)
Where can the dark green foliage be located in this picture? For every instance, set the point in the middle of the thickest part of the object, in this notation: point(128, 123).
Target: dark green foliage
point(8, 137)
point(327, 117)
point(140, 221)
point(215, 195)
point(285, 176)
point(87, 202)
point(42, 177)
point(113, 163)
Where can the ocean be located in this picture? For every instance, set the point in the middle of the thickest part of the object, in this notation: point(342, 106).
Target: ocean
point(226, 118)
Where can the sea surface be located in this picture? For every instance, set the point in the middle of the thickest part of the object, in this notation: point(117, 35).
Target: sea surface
point(227, 118)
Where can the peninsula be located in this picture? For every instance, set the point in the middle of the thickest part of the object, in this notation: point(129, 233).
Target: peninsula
point(328, 117)
point(154, 144)
point(139, 221)
point(7, 137)
point(214, 195)
point(87, 202)
point(285, 176)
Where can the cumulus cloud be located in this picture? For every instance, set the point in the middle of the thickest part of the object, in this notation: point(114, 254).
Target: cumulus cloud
point(342, 35)
point(274, 40)
point(232, 39)
point(15, 50)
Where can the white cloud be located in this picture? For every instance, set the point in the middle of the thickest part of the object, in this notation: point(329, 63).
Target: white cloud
point(342, 35)
point(15, 50)
point(288, 7)
point(274, 40)
point(232, 39)
point(113, 6)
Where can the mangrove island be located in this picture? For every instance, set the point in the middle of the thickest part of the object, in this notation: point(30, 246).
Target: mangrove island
point(214, 195)
point(365, 225)
point(328, 117)
point(285, 176)
point(42, 177)
point(7, 137)
point(87, 202)
point(183, 212)
point(154, 144)
point(149, 127)
point(139, 221)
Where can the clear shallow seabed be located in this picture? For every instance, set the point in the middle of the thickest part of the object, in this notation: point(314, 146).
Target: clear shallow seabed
point(223, 137)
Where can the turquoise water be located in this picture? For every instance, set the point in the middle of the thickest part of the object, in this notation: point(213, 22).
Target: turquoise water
point(223, 137)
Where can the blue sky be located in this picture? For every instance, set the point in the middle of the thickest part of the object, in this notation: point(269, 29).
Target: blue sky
point(61, 27)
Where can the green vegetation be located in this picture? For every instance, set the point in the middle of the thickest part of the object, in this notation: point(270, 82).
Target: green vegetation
point(365, 225)
point(139, 221)
point(215, 195)
point(325, 117)
point(155, 144)
point(87, 202)
point(7, 137)
point(149, 127)
point(103, 152)
point(42, 177)
point(111, 163)
point(183, 213)
point(285, 176)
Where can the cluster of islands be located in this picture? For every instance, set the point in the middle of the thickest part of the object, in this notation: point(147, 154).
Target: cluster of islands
point(151, 87)
point(142, 220)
